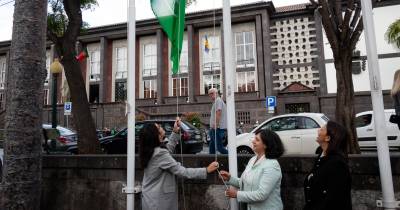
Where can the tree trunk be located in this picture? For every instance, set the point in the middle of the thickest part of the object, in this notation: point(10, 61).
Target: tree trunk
point(345, 113)
point(65, 46)
point(83, 120)
point(21, 186)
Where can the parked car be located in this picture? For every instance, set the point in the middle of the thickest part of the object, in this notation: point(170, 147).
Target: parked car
point(64, 138)
point(298, 132)
point(365, 126)
point(117, 144)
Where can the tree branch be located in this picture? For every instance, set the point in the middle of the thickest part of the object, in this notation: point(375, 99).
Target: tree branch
point(330, 30)
point(74, 13)
point(346, 27)
point(356, 34)
point(355, 16)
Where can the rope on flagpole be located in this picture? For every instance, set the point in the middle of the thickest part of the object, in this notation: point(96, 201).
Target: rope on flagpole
point(177, 91)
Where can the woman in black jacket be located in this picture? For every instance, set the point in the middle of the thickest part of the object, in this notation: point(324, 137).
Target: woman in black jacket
point(328, 186)
point(395, 93)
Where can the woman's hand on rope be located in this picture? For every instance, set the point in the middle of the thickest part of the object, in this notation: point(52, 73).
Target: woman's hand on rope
point(212, 167)
point(231, 192)
point(225, 175)
point(177, 125)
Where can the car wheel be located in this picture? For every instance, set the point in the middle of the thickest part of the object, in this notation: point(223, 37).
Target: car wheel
point(244, 150)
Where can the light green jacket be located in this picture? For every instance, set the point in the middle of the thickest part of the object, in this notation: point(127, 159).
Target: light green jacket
point(260, 185)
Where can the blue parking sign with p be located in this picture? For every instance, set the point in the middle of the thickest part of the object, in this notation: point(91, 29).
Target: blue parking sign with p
point(271, 101)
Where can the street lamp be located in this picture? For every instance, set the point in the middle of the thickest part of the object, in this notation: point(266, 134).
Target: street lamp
point(55, 69)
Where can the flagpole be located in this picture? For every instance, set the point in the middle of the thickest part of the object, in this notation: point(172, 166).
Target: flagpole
point(130, 107)
point(230, 93)
point(388, 201)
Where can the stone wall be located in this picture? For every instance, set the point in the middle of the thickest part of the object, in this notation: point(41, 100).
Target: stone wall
point(95, 182)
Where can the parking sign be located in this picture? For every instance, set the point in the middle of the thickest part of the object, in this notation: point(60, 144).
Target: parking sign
point(271, 101)
point(67, 108)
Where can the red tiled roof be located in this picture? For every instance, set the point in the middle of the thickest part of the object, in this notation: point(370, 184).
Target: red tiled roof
point(291, 8)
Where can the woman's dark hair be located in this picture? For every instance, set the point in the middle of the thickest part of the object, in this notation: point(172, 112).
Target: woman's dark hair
point(273, 142)
point(338, 138)
point(148, 140)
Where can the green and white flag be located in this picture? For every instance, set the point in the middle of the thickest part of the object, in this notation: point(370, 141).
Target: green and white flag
point(171, 15)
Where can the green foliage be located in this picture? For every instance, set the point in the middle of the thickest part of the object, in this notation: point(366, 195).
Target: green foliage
point(57, 20)
point(193, 118)
point(393, 33)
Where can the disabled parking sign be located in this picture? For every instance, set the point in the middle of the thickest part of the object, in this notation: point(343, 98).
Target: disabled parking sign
point(67, 108)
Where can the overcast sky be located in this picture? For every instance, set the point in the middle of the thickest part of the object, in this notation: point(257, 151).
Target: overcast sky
point(115, 11)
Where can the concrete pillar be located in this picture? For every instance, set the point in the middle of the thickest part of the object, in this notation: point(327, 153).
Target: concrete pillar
point(190, 38)
point(160, 61)
point(103, 68)
point(260, 61)
point(268, 67)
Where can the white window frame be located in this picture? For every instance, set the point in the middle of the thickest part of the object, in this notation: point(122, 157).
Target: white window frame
point(142, 42)
point(46, 96)
point(90, 48)
point(153, 82)
point(48, 63)
point(243, 46)
point(117, 44)
point(240, 28)
point(182, 63)
point(179, 83)
point(210, 33)
point(3, 70)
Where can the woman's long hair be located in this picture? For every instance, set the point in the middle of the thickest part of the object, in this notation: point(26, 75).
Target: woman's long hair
point(396, 83)
point(274, 146)
point(148, 140)
point(338, 138)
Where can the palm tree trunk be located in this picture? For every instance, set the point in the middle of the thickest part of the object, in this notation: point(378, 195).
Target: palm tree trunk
point(21, 186)
point(345, 112)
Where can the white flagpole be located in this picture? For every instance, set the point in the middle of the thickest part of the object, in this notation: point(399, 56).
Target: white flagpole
point(230, 93)
point(130, 106)
point(388, 201)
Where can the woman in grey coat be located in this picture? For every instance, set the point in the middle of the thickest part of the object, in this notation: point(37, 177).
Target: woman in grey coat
point(395, 92)
point(159, 189)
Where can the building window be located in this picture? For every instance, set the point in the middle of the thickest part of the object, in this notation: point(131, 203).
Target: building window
point(184, 62)
point(122, 69)
point(1, 101)
point(149, 60)
point(149, 72)
point(94, 66)
point(46, 97)
point(180, 86)
point(48, 63)
point(2, 75)
point(244, 43)
point(297, 108)
point(120, 91)
point(150, 88)
point(243, 117)
point(211, 63)
point(211, 81)
point(246, 81)
point(212, 56)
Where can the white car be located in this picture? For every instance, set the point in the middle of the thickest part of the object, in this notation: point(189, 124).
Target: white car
point(298, 132)
point(366, 130)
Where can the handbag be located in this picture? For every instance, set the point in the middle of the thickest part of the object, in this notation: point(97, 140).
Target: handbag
point(394, 119)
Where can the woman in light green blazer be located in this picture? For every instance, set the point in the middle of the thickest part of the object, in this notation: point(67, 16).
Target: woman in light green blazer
point(260, 183)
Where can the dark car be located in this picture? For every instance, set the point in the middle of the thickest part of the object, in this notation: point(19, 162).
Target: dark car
point(191, 138)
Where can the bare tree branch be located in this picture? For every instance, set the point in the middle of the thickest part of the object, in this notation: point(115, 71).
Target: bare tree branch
point(355, 36)
point(328, 25)
point(73, 11)
point(346, 27)
point(356, 16)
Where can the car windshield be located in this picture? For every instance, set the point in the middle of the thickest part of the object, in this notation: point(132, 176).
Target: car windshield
point(187, 126)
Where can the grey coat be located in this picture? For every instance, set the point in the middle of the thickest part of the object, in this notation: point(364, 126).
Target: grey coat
point(159, 189)
point(396, 101)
